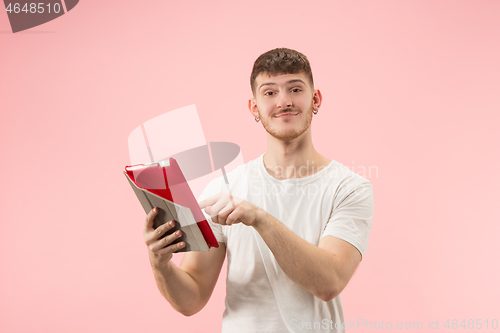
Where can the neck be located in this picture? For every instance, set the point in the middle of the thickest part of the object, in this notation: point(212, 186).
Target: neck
point(293, 159)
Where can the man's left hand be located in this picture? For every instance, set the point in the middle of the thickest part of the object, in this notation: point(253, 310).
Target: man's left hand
point(226, 209)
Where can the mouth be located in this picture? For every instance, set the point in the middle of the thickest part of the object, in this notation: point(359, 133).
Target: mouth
point(286, 114)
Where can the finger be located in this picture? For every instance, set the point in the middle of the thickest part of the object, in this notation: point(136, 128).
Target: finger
point(236, 216)
point(208, 210)
point(224, 213)
point(209, 201)
point(148, 225)
point(228, 208)
point(164, 242)
point(171, 248)
point(219, 205)
point(156, 234)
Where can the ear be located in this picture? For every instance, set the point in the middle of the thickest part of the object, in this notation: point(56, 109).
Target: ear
point(253, 107)
point(317, 98)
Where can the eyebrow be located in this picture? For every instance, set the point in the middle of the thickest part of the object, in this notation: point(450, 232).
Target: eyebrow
point(274, 84)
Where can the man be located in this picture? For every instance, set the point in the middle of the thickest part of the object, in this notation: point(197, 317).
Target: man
point(294, 224)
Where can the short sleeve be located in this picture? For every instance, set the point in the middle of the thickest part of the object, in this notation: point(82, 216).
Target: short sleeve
point(351, 220)
point(216, 228)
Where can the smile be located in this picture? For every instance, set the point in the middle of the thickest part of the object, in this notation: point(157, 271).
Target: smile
point(287, 114)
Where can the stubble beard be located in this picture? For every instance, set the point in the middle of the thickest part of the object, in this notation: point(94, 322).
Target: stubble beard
point(291, 134)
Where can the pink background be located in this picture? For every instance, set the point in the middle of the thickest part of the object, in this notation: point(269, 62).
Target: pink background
point(411, 88)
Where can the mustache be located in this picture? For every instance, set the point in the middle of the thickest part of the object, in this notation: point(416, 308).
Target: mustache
point(287, 110)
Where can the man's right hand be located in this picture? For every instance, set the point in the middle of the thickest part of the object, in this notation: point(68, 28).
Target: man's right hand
point(189, 286)
point(160, 249)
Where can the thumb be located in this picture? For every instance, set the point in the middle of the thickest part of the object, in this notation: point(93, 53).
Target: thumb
point(208, 210)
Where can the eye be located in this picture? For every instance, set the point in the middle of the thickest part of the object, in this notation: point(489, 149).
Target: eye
point(296, 89)
point(269, 93)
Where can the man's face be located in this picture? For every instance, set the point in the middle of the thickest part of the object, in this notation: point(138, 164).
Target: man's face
point(284, 103)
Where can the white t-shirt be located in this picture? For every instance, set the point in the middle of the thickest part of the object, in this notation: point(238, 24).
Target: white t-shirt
point(260, 297)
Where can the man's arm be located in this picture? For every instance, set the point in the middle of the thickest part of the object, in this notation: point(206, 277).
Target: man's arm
point(189, 287)
point(322, 270)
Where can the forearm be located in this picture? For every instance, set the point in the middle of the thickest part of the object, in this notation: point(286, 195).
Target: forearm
point(313, 268)
point(178, 288)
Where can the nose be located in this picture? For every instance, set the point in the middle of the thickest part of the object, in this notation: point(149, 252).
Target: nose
point(284, 101)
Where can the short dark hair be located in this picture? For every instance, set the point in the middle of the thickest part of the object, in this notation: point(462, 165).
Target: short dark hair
point(281, 61)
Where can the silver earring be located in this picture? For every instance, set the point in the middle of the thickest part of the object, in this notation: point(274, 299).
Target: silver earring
point(315, 111)
point(257, 119)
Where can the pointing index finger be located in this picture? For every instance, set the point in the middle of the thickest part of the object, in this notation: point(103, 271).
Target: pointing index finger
point(209, 201)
